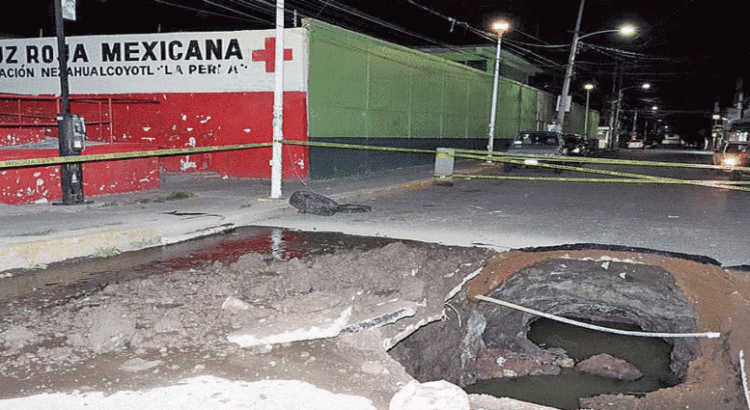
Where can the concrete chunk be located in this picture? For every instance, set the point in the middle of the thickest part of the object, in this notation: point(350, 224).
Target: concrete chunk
point(292, 328)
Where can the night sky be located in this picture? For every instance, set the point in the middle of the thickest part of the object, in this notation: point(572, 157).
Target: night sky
point(691, 51)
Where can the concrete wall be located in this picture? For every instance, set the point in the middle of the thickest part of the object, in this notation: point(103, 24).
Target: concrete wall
point(24, 185)
point(366, 91)
point(171, 90)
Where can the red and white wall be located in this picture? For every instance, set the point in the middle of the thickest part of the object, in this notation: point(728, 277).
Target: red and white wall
point(152, 91)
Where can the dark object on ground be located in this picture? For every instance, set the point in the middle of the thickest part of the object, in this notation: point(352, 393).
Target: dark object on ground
point(309, 202)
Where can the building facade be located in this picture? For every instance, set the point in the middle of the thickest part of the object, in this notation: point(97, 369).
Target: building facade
point(202, 89)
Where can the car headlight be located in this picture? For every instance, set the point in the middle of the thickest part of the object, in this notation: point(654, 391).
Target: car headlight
point(730, 161)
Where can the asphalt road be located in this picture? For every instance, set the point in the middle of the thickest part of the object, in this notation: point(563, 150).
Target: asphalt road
point(688, 219)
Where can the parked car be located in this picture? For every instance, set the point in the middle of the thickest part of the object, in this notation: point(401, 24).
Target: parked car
point(732, 155)
point(538, 143)
point(671, 140)
point(636, 143)
point(651, 144)
point(576, 145)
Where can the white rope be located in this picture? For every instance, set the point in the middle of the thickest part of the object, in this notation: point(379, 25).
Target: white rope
point(710, 335)
point(445, 315)
point(744, 378)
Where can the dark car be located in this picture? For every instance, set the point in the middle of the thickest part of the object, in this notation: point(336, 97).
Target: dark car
point(539, 143)
point(576, 145)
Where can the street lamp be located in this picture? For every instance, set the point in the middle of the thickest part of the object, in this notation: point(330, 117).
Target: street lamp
point(615, 120)
point(564, 98)
point(499, 26)
point(588, 87)
point(624, 30)
point(654, 110)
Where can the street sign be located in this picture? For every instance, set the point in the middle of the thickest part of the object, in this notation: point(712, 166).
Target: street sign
point(566, 102)
point(69, 9)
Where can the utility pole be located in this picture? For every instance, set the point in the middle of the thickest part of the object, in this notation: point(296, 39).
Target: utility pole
point(278, 105)
point(740, 97)
point(564, 97)
point(71, 175)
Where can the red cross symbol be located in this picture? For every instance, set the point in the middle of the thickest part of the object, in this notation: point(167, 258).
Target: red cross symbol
point(269, 54)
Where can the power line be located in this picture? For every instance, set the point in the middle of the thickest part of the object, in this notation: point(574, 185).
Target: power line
point(262, 11)
point(180, 6)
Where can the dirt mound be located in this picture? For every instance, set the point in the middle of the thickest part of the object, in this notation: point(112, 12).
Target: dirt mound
point(154, 331)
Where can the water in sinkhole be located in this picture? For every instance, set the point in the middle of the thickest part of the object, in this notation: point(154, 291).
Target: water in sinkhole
point(650, 355)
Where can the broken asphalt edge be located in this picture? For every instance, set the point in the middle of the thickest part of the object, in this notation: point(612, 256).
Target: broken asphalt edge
point(138, 233)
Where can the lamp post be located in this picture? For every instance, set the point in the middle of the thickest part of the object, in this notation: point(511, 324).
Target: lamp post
point(644, 86)
point(500, 26)
point(646, 131)
point(588, 87)
point(626, 30)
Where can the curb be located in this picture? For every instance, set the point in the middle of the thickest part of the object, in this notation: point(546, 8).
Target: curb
point(37, 252)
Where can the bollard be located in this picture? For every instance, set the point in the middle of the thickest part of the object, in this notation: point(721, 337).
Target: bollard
point(444, 159)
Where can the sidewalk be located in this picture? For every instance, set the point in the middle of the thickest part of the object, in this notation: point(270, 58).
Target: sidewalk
point(186, 207)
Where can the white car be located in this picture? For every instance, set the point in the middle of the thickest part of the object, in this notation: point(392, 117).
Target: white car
point(635, 143)
point(671, 140)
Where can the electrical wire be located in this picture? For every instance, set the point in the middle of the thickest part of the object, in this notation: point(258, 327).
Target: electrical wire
point(532, 49)
point(354, 17)
point(231, 10)
point(181, 6)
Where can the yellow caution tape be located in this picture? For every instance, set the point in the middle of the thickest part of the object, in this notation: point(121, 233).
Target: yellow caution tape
point(634, 178)
point(32, 162)
point(545, 162)
point(357, 146)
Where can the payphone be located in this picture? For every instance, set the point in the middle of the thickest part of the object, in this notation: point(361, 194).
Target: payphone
point(71, 130)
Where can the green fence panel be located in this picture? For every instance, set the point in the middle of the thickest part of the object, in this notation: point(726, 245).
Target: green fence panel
point(362, 87)
point(337, 122)
point(527, 116)
point(506, 122)
point(478, 107)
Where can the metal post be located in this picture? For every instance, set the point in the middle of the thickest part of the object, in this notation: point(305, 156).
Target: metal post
point(493, 108)
point(569, 71)
point(616, 129)
point(611, 121)
point(610, 132)
point(62, 57)
point(586, 119)
point(71, 175)
point(278, 104)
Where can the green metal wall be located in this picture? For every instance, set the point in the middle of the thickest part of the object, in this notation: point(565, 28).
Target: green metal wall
point(367, 91)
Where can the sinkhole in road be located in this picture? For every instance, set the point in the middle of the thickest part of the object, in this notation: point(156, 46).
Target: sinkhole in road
point(478, 341)
point(492, 349)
